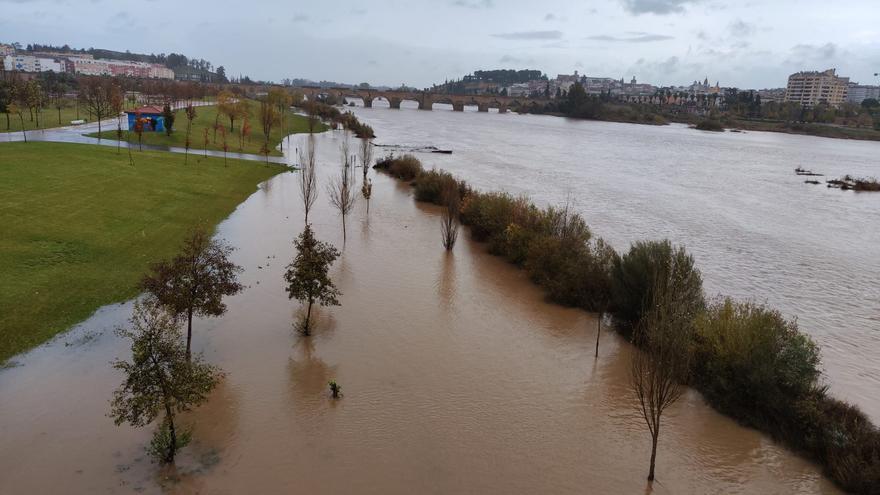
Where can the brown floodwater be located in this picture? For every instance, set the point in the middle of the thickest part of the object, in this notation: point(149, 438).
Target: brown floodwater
point(457, 378)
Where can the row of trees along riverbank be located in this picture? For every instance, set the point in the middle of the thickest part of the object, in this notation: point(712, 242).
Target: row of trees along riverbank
point(748, 360)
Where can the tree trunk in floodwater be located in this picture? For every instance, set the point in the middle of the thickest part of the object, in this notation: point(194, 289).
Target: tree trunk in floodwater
point(306, 330)
point(172, 444)
point(598, 332)
point(653, 454)
point(189, 332)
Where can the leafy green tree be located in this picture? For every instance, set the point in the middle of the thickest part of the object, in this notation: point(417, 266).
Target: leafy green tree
point(159, 379)
point(636, 273)
point(307, 277)
point(195, 281)
point(168, 119)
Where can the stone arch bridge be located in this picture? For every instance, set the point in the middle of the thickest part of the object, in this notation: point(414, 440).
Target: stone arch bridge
point(425, 99)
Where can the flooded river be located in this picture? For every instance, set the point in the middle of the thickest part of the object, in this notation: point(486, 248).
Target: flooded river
point(457, 376)
point(755, 228)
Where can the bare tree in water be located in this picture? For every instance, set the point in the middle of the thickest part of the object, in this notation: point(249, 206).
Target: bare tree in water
point(664, 335)
point(366, 156)
point(308, 179)
point(342, 189)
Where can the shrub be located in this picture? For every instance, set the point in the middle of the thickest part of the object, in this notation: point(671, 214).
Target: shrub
point(432, 187)
point(407, 167)
point(636, 272)
point(710, 125)
point(752, 360)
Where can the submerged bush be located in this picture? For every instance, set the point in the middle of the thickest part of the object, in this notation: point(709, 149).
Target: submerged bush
point(432, 187)
point(406, 167)
point(636, 273)
point(753, 360)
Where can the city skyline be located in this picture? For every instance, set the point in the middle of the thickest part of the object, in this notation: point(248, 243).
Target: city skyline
point(664, 42)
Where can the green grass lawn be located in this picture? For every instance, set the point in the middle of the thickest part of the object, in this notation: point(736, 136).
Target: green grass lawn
point(48, 118)
point(205, 118)
point(80, 226)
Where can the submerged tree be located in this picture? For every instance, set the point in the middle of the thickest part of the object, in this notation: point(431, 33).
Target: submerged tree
point(342, 190)
point(449, 217)
point(195, 281)
point(307, 277)
point(664, 335)
point(600, 271)
point(366, 152)
point(308, 179)
point(160, 379)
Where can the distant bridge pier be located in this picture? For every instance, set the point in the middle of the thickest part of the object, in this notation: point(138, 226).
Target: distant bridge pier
point(502, 109)
point(394, 102)
point(425, 103)
point(482, 107)
point(368, 102)
point(458, 106)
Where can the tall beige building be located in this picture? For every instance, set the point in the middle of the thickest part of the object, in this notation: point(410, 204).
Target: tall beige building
point(811, 88)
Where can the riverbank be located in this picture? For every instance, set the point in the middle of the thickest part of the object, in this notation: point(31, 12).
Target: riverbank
point(206, 117)
point(81, 226)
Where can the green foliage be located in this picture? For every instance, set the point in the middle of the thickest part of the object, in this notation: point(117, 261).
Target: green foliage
point(432, 187)
point(307, 276)
point(636, 273)
point(406, 167)
point(335, 389)
point(754, 360)
point(168, 119)
point(195, 281)
point(164, 442)
point(160, 379)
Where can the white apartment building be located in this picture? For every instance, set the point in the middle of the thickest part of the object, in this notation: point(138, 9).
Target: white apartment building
point(29, 63)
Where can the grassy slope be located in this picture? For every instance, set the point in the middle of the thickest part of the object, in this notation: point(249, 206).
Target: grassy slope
point(48, 118)
point(205, 120)
point(80, 226)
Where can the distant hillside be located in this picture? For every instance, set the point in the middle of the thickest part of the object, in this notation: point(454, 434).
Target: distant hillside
point(184, 67)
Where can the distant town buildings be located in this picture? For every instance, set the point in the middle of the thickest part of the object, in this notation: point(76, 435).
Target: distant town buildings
point(857, 93)
point(29, 63)
point(80, 64)
point(810, 88)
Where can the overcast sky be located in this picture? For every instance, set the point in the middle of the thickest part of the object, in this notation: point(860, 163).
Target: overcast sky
point(748, 43)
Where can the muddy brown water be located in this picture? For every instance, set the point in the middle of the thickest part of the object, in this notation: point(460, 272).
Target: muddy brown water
point(457, 378)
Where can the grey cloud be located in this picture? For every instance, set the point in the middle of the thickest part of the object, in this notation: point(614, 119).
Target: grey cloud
point(741, 29)
point(530, 35)
point(659, 7)
point(509, 59)
point(632, 37)
point(475, 4)
point(549, 17)
point(300, 18)
point(815, 52)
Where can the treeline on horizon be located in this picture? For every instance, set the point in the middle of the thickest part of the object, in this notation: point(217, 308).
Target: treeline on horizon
point(748, 360)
